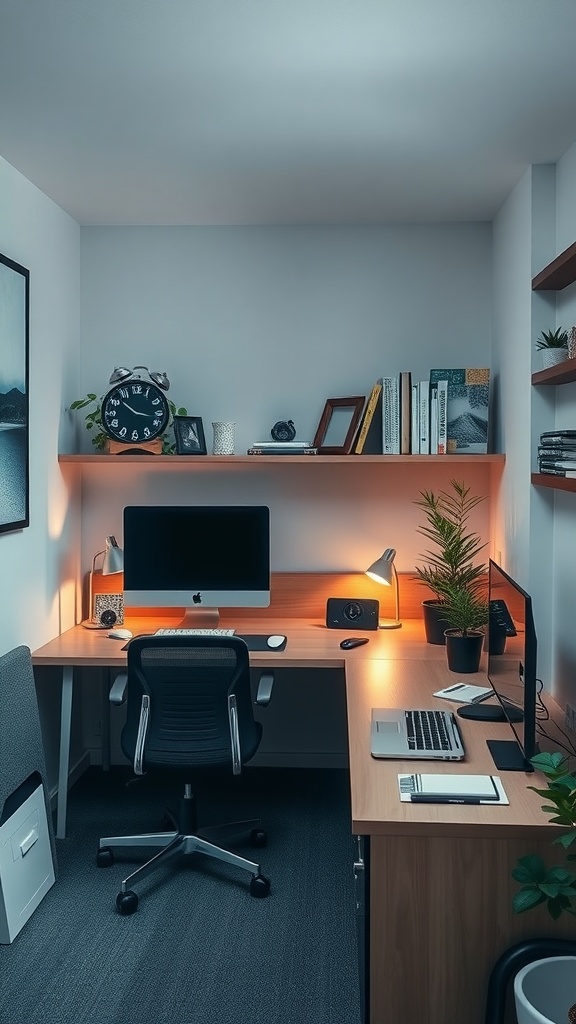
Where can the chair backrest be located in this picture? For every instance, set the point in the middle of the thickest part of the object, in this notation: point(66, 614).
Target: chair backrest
point(189, 684)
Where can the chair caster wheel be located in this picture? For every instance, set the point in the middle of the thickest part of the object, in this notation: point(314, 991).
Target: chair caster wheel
point(105, 857)
point(258, 837)
point(260, 887)
point(126, 902)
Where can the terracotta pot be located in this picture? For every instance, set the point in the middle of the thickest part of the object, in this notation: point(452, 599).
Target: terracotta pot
point(463, 652)
point(434, 624)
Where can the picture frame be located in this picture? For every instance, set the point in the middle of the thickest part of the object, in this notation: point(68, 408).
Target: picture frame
point(189, 434)
point(14, 395)
point(338, 424)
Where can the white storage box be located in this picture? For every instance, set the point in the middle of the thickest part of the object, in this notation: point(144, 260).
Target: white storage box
point(26, 867)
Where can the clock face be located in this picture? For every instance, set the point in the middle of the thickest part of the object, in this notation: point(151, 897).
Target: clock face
point(135, 411)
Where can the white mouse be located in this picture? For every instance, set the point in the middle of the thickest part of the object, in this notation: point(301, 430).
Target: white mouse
point(275, 641)
point(120, 634)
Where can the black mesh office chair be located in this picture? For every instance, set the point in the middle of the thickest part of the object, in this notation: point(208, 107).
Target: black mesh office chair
point(189, 707)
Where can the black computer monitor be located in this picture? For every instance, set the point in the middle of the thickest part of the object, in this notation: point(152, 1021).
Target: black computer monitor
point(197, 557)
point(511, 649)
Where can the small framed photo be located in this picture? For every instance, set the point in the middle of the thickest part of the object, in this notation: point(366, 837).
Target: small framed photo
point(338, 424)
point(189, 434)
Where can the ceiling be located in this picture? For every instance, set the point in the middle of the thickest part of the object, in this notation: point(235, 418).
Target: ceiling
point(284, 111)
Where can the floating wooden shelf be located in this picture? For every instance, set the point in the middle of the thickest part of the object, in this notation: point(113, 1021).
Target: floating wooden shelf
point(227, 461)
point(557, 483)
point(562, 373)
point(558, 274)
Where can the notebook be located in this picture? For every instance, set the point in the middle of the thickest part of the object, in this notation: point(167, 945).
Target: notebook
point(427, 735)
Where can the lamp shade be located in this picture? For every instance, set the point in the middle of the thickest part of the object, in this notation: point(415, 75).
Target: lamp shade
point(113, 557)
point(383, 571)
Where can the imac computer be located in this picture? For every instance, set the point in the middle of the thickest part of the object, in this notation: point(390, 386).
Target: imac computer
point(510, 650)
point(200, 557)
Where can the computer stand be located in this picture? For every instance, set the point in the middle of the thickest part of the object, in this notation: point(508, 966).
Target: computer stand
point(508, 756)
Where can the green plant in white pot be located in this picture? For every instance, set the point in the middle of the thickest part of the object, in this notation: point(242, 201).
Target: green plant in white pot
point(545, 988)
point(553, 345)
point(453, 558)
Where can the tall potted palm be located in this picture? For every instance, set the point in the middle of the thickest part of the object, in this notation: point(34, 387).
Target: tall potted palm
point(452, 561)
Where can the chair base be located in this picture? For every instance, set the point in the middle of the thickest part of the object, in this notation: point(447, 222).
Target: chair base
point(177, 844)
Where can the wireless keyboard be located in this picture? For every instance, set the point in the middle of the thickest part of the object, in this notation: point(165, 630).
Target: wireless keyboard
point(195, 632)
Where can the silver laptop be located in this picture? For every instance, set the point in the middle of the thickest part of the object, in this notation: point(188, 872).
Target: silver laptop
point(426, 735)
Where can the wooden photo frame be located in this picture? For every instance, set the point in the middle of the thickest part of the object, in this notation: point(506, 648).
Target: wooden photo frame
point(189, 434)
point(338, 424)
point(14, 395)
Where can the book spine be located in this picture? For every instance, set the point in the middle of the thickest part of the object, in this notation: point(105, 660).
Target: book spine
point(424, 403)
point(552, 471)
point(371, 407)
point(390, 423)
point(405, 389)
point(442, 448)
point(433, 400)
point(415, 417)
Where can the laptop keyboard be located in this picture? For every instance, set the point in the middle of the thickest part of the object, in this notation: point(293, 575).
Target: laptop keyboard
point(426, 730)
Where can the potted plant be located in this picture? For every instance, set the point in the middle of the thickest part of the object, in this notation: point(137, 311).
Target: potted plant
point(466, 612)
point(554, 346)
point(453, 560)
point(545, 988)
point(93, 421)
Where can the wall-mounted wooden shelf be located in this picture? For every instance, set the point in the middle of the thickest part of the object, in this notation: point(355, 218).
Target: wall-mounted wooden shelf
point(562, 373)
point(228, 461)
point(558, 274)
point(556, 483)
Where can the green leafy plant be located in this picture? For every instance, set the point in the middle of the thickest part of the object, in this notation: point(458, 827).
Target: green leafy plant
point(452, 564)
point(553, 339)
point(93, 421)
point(555, 886)
point(465, 607)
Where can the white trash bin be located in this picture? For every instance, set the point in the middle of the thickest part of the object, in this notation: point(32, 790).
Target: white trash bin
point(545, 990)
point(26, 865)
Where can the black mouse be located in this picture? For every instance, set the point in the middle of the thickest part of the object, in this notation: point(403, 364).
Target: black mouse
point(353, 641)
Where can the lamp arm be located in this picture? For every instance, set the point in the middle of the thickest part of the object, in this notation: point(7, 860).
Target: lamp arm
point(396, 592)
point(91, 587)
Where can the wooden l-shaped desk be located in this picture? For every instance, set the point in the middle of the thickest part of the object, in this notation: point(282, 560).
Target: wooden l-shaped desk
point(440, 887)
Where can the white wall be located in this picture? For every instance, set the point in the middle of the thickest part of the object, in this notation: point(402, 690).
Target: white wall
point(39, 564)
point(260, 324)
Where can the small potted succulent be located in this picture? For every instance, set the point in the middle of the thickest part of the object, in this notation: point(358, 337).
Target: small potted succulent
point(453, 560)
point(554, 346)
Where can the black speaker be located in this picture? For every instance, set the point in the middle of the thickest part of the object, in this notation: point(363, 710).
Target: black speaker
point(348, 613)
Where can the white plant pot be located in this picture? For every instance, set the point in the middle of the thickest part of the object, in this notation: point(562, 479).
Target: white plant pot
point(553, 356)
point(545, 990)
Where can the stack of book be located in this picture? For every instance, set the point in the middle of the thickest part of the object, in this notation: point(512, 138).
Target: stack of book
point(557, 453)
point(281, 448)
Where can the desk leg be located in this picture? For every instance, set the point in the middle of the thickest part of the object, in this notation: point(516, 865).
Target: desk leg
point(64, 762)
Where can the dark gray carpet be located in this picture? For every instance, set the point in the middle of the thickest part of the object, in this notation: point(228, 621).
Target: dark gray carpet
point(199, 948)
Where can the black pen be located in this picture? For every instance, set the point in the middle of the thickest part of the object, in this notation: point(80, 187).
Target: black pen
point(425, 798)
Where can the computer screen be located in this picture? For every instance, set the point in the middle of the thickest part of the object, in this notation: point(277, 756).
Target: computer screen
point(197, 557)
point(511, 649)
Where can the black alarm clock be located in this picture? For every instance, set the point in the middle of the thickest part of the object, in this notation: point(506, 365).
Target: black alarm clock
point(135, 411)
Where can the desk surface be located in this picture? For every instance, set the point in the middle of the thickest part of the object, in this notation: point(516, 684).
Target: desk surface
point(396, 668)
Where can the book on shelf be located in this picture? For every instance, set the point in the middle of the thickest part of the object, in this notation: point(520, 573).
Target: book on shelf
point(565, 451)
point(467, 408)
point(390, 416)
point(369, 436)
point(561, 434)
point(424, 416)
point(405, 404)
point(557, 464)
point(415, 417)
point(433, 413)
point(281, 449)
point(282, 444)
point(570, 474)
point(442, 439)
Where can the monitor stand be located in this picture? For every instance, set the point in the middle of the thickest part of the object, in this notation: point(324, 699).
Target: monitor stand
point(490, 713)
point(508, 756)
point(200, 618)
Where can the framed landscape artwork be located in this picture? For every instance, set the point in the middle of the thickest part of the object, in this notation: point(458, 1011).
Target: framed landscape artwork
point(14, 407)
